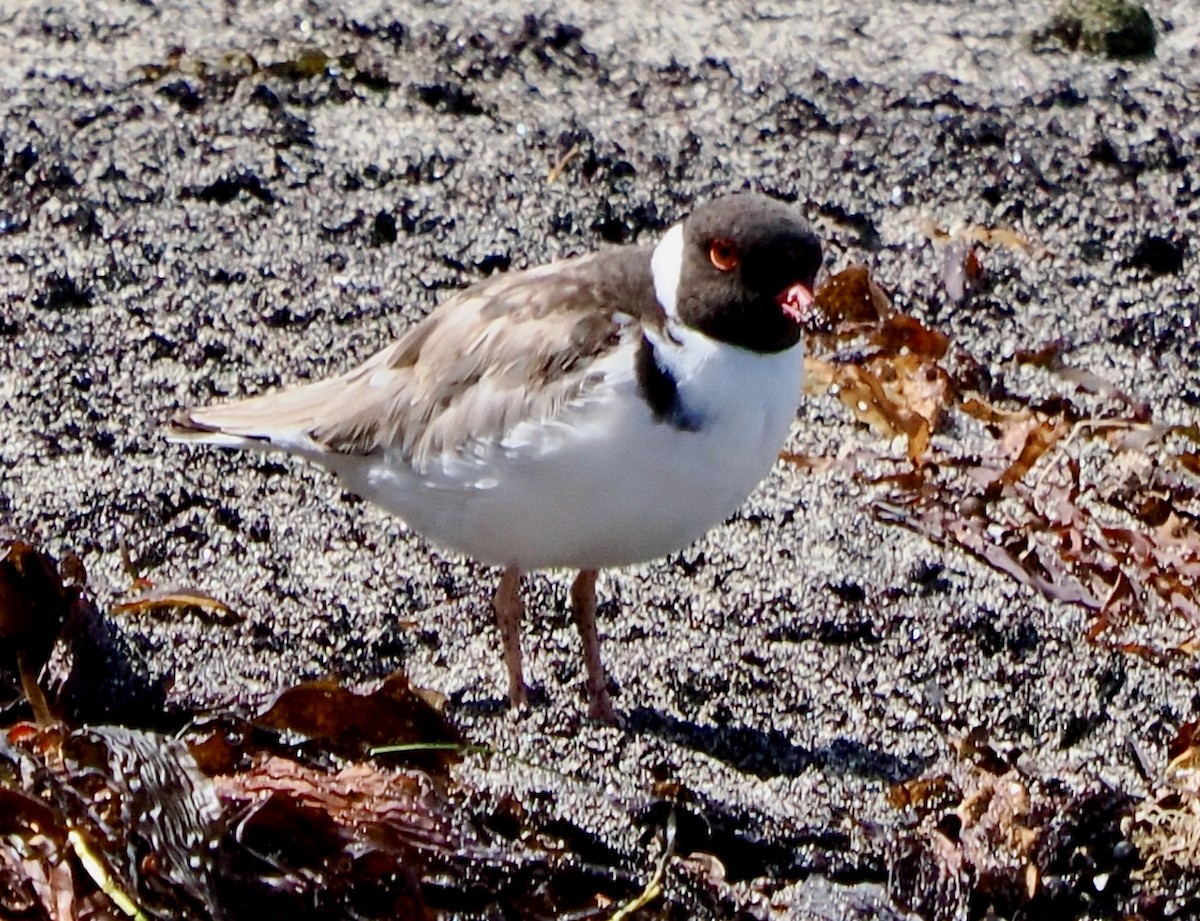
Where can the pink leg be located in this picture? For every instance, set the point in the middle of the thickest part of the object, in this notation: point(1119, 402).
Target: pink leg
point(583, 609)
point(509, 610)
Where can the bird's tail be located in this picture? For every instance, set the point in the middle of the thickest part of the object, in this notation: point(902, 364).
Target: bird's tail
point(282, 420)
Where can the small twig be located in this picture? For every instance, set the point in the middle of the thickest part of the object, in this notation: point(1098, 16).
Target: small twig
point(34, 694)
point(127, 560)
point(557, 169)
point(417, 747)
point(100, 876)
point(654, 887)
point(1082, 425)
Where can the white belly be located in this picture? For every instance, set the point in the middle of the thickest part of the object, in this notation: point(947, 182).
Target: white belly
point(606, 484)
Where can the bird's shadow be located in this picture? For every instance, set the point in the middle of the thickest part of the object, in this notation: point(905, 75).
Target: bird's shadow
point(769, 753)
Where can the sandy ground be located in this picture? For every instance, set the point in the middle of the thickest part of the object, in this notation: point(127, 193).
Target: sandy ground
point(180, 227)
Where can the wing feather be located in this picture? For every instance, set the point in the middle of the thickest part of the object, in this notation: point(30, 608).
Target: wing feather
point(517, 347)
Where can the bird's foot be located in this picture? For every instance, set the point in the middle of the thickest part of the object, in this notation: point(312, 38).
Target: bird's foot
point(600, 708)
point(518, 699)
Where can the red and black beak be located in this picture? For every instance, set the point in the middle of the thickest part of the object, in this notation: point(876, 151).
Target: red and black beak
point(797, 302)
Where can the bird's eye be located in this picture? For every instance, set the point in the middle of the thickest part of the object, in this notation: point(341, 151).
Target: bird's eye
point(724, 255)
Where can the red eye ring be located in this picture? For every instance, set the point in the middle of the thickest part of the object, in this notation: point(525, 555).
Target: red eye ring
point(723, 254)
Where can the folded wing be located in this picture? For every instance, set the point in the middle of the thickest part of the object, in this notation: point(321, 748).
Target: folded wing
point(517, 347)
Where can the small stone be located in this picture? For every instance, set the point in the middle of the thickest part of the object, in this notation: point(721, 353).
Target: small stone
point(1113, 28)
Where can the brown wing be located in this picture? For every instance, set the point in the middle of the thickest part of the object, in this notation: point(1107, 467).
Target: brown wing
point(515, 347)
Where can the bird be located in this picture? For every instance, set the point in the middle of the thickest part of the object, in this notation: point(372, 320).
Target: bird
point(594, 412)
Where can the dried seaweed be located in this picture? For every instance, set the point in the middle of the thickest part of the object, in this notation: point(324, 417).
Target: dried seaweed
point(897, 386)
point(998, 841)
point(332, 803)
point(353, 725)
point(1165, 828)
point(129, 802)
point(35, 606)
point(1103, 513)
point(1119, 535)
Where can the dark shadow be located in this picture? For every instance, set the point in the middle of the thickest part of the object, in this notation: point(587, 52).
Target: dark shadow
point(849, 756)
point(107, 680)
point(769, 753)
point(498, 705)
point(751, 751)
point(750, 847)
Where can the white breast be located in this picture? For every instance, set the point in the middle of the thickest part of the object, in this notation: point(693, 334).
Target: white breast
point(606, 484)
